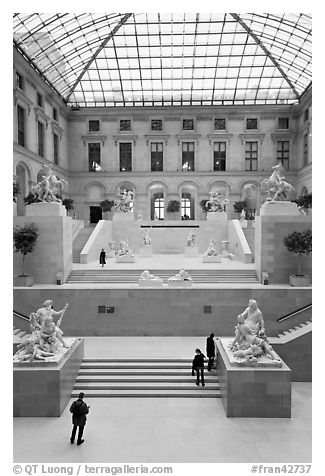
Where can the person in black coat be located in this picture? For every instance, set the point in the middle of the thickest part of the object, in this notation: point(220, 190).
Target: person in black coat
point(211, 353)
point(102, 257)
point(79, 410)
point(198, 367)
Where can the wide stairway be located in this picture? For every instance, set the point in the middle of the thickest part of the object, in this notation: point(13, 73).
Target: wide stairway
point(128, 276)
point(79, 242)
point(142, 378)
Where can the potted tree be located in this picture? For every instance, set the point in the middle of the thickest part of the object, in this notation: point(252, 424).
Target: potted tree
point(106, 206)
point(173, 207)
point(305, 203)
point(24, 241)
point(299, 243)
point(239, 206)
point(68, 203)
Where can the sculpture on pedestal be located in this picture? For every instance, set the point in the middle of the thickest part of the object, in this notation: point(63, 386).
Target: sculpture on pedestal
point(217, 202)
point(276, 187)
point(250, 340)
point(124, 249)
point(146, 276)
point(146, 237)
point(191, 239)
point(242, 215)
point(182, 275)
point(46, 338)
point(212, 249)
point(124, 203)
point(48, 189)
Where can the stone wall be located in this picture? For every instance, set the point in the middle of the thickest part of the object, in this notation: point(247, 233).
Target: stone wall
point(169, 312)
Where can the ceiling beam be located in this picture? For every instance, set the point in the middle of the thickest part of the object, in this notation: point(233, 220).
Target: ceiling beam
point(266, 51)
point(99, 49)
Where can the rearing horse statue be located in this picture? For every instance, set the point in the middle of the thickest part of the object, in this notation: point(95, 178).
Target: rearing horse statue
point(276, 187)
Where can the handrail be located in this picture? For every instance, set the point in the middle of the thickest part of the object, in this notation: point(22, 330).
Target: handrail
point(291, 314)
point(22, 316)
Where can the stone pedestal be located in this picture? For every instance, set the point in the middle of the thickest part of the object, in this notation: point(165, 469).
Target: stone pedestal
point(43, 389)
point(270, 208)
point(191, 252)
point(150, 283)
point(46, 209)
point(257, 392)
point(243, 223)
point(179, 284)
point(216, 216)
point(146, 251)
point(125, 259)
point(211, 259)
point(123, 216)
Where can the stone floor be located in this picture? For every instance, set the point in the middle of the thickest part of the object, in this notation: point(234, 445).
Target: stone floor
point(166, 429)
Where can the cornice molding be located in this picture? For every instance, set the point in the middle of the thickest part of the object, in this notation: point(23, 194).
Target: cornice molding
point(156, 136)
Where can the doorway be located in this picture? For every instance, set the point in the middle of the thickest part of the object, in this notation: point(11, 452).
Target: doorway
point(95, 214)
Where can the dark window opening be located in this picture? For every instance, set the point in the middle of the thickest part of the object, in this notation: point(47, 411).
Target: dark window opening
point(305, 149)
point(219, 156)
point(306, 114)
point(251, 124)
point(188, 124)
point(21, 125)
point(39, 100)
point(156, 156)
point(55, 114)
point(93, 126)
point(220, 124)
point(94, 157)
point(19, 81)
point(125, 125)
point(125, 156)
point(188, 156)
point(251, 149)
point(156, 124)
point(282, 153)
point(40, 136)
point(56, 148)
point(283, 123)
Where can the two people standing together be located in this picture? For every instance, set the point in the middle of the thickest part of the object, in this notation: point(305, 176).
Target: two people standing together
point(199, 358)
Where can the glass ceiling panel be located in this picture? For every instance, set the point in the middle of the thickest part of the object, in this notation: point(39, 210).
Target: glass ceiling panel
point(169, 58)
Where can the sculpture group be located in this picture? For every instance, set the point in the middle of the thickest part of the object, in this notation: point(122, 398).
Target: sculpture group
point(250, 342)
point(277, 188)
point(125, 201)
point(46, 337)
point(217, 202)
point(49, 188)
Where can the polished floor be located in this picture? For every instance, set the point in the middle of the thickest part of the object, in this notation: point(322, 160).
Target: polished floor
point(166, 429)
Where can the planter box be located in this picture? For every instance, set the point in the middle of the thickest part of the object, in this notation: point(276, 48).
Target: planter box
point(23, 281)
point(301, 281)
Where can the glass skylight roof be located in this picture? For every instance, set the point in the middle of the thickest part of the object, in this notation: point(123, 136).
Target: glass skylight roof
point(156, 59)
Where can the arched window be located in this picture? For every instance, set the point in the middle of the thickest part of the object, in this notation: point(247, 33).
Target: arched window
point(186, 206)
point(159, 207)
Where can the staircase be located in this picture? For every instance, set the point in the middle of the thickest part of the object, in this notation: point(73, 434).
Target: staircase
point(293, 333)
point(107, 378)
point(250, 237)
point(79, 242)
point(128, 276)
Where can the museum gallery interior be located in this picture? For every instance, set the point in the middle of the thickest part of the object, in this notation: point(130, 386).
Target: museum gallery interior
point(162, 194)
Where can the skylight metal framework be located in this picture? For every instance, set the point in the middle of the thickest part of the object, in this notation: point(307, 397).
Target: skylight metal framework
point(158, 59)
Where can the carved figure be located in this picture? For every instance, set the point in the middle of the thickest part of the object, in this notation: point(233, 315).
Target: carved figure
point(242, 215)
point(47, 313)
point(146, 276)
point(250, 340)
point(276, 187)
point(212, 248)
point(124, 249)
point(124, 202)
point(182, 275)
point(28, 350)
point(191, 239)
point(146, 237)
point(217, 202)
point(49, 187)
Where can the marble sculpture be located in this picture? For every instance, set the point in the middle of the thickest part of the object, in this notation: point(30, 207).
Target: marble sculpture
point(276, 187)
point(182, 275)
point(216, 202)
point(48, 189)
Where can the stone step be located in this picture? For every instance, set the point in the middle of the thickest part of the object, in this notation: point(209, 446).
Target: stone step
point(134, 372)
point(131, 366)
point(85, 386)
point(155, 378)
point(158, 360)
point(196, 392)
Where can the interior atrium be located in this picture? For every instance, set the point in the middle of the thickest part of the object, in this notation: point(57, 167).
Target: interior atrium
point(171, 142)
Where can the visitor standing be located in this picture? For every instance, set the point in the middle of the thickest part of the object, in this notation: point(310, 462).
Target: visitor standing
point(198, 367)
point(102, 257)
point(210, 351)
point(79, 410)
